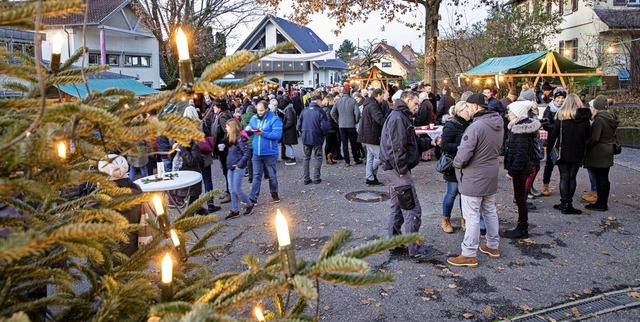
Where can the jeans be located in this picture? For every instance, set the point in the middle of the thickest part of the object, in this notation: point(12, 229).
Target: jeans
point(530, 179)
point(132, 172)
point(250, 164)
point(474, 208)
point(568, 173)
point(235, 188)
point(290, 152)
point(310, 151)
point(373, 161)
point(207, 180)
point(349, 136)
point(592, 180)
point(412, 219)
point(259, 165)
point(222, 156)
point(603, 185)
point(450, 198)
point(167, 163)
point(520, 195)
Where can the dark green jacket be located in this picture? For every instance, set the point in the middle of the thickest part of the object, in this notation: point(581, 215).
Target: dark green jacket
point(600, 143)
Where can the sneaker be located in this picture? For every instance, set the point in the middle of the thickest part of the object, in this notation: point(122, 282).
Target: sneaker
point(290, 161)
point(225, 198)
point(214, 208)
point(492, 252)
point(463, 261)
point(530, 196)
point(308, 181)
point(254, 202)
point(399, 251)
point(246, 173)
point(275, 197)
point(373, 183)
point(248, 210)
point(421, 258)
point(590, 197)
point(317, 181)
point(569, 210)
point(535, 192)
point(232, 214)
point(596, 207)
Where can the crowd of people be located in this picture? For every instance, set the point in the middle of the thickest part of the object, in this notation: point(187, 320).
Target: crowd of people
point(249, 134)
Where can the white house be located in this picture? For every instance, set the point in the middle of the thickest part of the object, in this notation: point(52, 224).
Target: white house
point(391, 61)
point(272, 30)
point(596, 33)
point(114, 36)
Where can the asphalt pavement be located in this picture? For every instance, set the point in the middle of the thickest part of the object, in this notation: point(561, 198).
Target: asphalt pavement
point(566, 258)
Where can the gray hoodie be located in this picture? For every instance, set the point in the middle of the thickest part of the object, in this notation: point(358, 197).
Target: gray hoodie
point(477, 162)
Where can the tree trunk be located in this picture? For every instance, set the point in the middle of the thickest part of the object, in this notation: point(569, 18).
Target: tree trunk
point(634, 61)
point(431, 42)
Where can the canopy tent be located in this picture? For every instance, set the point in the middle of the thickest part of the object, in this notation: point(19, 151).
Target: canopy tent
point(374, 77)
point(100, 85)
point(548, 64)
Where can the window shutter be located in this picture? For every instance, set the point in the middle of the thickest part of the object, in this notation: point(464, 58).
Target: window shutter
point(574, 50)
point(561, 47)
point(574, 5)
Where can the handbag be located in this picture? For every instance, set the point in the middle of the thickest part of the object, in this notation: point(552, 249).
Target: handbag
point(617, 148)
point(445, 164)
point(538, 148)
point(207, 145)
point(556, 150)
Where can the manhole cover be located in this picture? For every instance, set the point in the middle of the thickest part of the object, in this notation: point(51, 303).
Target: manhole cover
point(367, 196)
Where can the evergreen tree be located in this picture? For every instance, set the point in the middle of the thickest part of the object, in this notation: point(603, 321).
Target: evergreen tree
point(59, 252)
point(347, 51)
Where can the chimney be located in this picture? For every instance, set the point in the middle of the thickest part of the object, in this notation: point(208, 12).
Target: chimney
point(384, 41)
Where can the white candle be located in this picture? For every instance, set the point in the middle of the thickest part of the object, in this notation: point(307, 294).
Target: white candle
point(167, 269)
point(157, 203)
point(182, 44)
point(160, 166)
point(174, 238)
point(56, 44)
point(282, 230)
point(258, 312)
point(62, 150)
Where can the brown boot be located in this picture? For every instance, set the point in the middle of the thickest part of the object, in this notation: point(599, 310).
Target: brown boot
point(463, 261)
point(446, 225)
point(590, 197)
point(545, 189)
point(462, 224)
point(330, 159)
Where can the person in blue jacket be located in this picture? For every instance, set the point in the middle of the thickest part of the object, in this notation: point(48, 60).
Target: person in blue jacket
point(313, 126)
point(267, 128)
point(237, 159)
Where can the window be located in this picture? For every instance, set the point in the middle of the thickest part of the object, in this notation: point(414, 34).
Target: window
point(386, 64)
point(634, 2)
point(136, 61)
point(94, 59)
point(113, 59)
point(619, 2)
point(569, 48)
point(148, 84)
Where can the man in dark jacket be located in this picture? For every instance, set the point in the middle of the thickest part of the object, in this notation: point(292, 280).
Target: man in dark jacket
point(369, 134)
point(494, 103)
point(297, 102)
point(219, 132)
point(313, 126)
point(444, 104)
point(400, 151)
point(346, 112)
point(289, 134)
point(477, 168)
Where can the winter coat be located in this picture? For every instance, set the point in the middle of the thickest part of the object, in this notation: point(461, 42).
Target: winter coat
point(219, 128)
point(400, 147)
point(601, 140)
point(140, 160)
point(345, 112)
point(496, 106)
point(246, 117)
point(297, 103)
point(444, 104)
point(207, 158)
point(238, 154)
point(424, 115)
point(371, 122)
point(132, 215)
point(289, 126)
point(163, 143)
point(476, 163)
point(575, 133)
point(550, 116)
point(333, 125)
point(313, 125)
point(266, 143)
point(520, 155)
point(451, 137)
point(192, 158)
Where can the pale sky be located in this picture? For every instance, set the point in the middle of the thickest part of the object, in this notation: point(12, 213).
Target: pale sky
point(395, 33)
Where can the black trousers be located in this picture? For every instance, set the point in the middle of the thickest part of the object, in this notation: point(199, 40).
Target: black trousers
point(350, 136)
point(520, 195)
point(568, 173)
point(603, 186)
point(548, 168)
point(331, 143)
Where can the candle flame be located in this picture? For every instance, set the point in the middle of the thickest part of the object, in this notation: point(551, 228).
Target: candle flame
point(182, 44)
point(174, 238)
point(167, 269)
point(56, 44)
point(282, 230)
point(157, 203)
point(62, 150)
point(258, 312)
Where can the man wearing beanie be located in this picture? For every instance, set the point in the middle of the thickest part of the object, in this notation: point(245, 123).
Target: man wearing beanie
point(546, 96)
point(116, 167)
point(548, 121)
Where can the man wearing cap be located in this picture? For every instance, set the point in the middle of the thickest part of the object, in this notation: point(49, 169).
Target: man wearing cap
point(313, 126)
point(477, 168)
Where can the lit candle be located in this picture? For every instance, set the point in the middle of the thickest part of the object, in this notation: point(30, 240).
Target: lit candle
point(282, 230)
point(258, 312)
point(180, 247)
point(157, 203)
point(184, 61)
point(610, 49)
point(167, 269)
point(174, 238)
point(62, 150)
point(56, 49)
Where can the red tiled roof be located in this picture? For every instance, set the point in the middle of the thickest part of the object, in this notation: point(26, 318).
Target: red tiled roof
point(98, 10)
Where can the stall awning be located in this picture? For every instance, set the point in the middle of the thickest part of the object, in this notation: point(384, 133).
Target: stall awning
point(100, 85)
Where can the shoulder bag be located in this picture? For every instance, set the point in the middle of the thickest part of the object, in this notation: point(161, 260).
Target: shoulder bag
point(556, 150)
point(617, 148)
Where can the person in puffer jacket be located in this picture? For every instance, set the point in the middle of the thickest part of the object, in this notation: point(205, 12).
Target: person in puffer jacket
point(520, 160)
point(266, 127)
point(237, 159)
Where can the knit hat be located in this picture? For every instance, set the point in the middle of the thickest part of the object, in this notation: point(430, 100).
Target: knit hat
point(116, 169)
point(546, 86)
point(527, 95)
point(600, 103)
point(559, 91)
point(520, 108)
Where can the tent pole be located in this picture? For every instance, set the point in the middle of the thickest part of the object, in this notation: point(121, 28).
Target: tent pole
point(555, 63)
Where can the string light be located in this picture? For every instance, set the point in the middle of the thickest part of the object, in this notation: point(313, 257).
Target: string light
point(567, 52)
point(610, 49)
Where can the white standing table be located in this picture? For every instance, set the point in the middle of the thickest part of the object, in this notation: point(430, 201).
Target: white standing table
point(433, 133)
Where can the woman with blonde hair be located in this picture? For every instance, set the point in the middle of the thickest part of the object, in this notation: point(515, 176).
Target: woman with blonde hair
point(569, 135)
point(237, 159)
